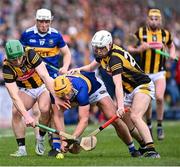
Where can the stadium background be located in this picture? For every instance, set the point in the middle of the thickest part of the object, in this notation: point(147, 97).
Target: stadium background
point(78, 20)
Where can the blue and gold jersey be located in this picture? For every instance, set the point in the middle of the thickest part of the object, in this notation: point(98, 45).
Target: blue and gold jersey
point(119, 61)
point(47, 46)
point(84, 84)
point(25, 76)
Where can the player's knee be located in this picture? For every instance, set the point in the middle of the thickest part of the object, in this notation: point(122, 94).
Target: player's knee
point(134, 117)
point(159, 99)
point(44, 109)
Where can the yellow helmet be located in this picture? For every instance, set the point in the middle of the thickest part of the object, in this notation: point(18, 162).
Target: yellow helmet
point(154, 12)
point(62, 86)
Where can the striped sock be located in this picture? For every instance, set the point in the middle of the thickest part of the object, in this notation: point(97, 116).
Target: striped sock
point(131, 147)
point(56, 143)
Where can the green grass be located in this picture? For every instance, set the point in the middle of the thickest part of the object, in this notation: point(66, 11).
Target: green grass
point(110, 151)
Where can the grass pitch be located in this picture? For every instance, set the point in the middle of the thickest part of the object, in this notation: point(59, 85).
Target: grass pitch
point(110, 151)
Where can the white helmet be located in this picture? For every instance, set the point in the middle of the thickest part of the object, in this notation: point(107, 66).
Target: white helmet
point(43, 14)
point(102, 38)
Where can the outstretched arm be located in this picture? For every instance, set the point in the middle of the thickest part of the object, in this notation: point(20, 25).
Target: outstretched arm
point(66, 59)
point(13, 92)
point(83, 120)
point(90, 67)
point(117, 79)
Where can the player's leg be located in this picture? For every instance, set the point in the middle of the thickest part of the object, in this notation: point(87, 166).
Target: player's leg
point(55, 139)
point(56, 116)
point(44, 107)
point(148, 116)
point(35, 113)
point(133, 130)
point(160, 86)
point(108, 108)
point(137, 112)
point(18, 124)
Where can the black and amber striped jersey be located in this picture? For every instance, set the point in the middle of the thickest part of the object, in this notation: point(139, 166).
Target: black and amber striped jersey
point(25, 76)
point(150, 61)
point(120, 61)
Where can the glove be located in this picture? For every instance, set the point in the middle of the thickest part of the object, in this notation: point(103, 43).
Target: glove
point(120, 112)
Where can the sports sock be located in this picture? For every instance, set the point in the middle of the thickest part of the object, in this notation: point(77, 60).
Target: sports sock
point(150, 146)
point(131, 147)
point(20, 142)
point(41, 135)
point(135, 134)
point(149, 123)
point(56, 143)
point(159, 123)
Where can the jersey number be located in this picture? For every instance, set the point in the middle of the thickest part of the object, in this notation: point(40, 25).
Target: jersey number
point(129, 58)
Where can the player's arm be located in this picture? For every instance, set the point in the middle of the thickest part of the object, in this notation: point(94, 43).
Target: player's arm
point(90, 67)
point(66, 59)
point(116, 68)
point(141, 48)
point(13, 92)
point(135, 45)
point(117, 79)
point(83, 120)
point(172, 51)
point(48, 81)
point(40, 67)
point(83, 110)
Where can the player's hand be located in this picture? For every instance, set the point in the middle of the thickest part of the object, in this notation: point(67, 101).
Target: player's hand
point(63, 70)
point(120, 112)
point(144, 46)
point(64, 146)
point(62, 103)
point(29, 121)
point(75, 70)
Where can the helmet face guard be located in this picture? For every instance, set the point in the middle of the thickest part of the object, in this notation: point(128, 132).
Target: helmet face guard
point(14, 49)
point(101, 42)
point(100, 51)
point(62, 86)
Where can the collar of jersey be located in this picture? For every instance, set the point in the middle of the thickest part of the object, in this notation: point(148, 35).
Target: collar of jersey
point(36, 31)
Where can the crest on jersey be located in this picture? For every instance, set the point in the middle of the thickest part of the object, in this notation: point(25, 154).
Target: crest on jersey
point(154, 38)
point(51, 42)
point(23, 69)
point(41, 41)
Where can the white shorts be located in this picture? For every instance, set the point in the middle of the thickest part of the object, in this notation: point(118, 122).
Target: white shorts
point(35, 92)
point(99, 94)
point(148, 89)
point(157, 76)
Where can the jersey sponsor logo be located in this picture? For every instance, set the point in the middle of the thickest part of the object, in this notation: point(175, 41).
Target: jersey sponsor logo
point(32, 40)
point(27, 75)
point(41, 41)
